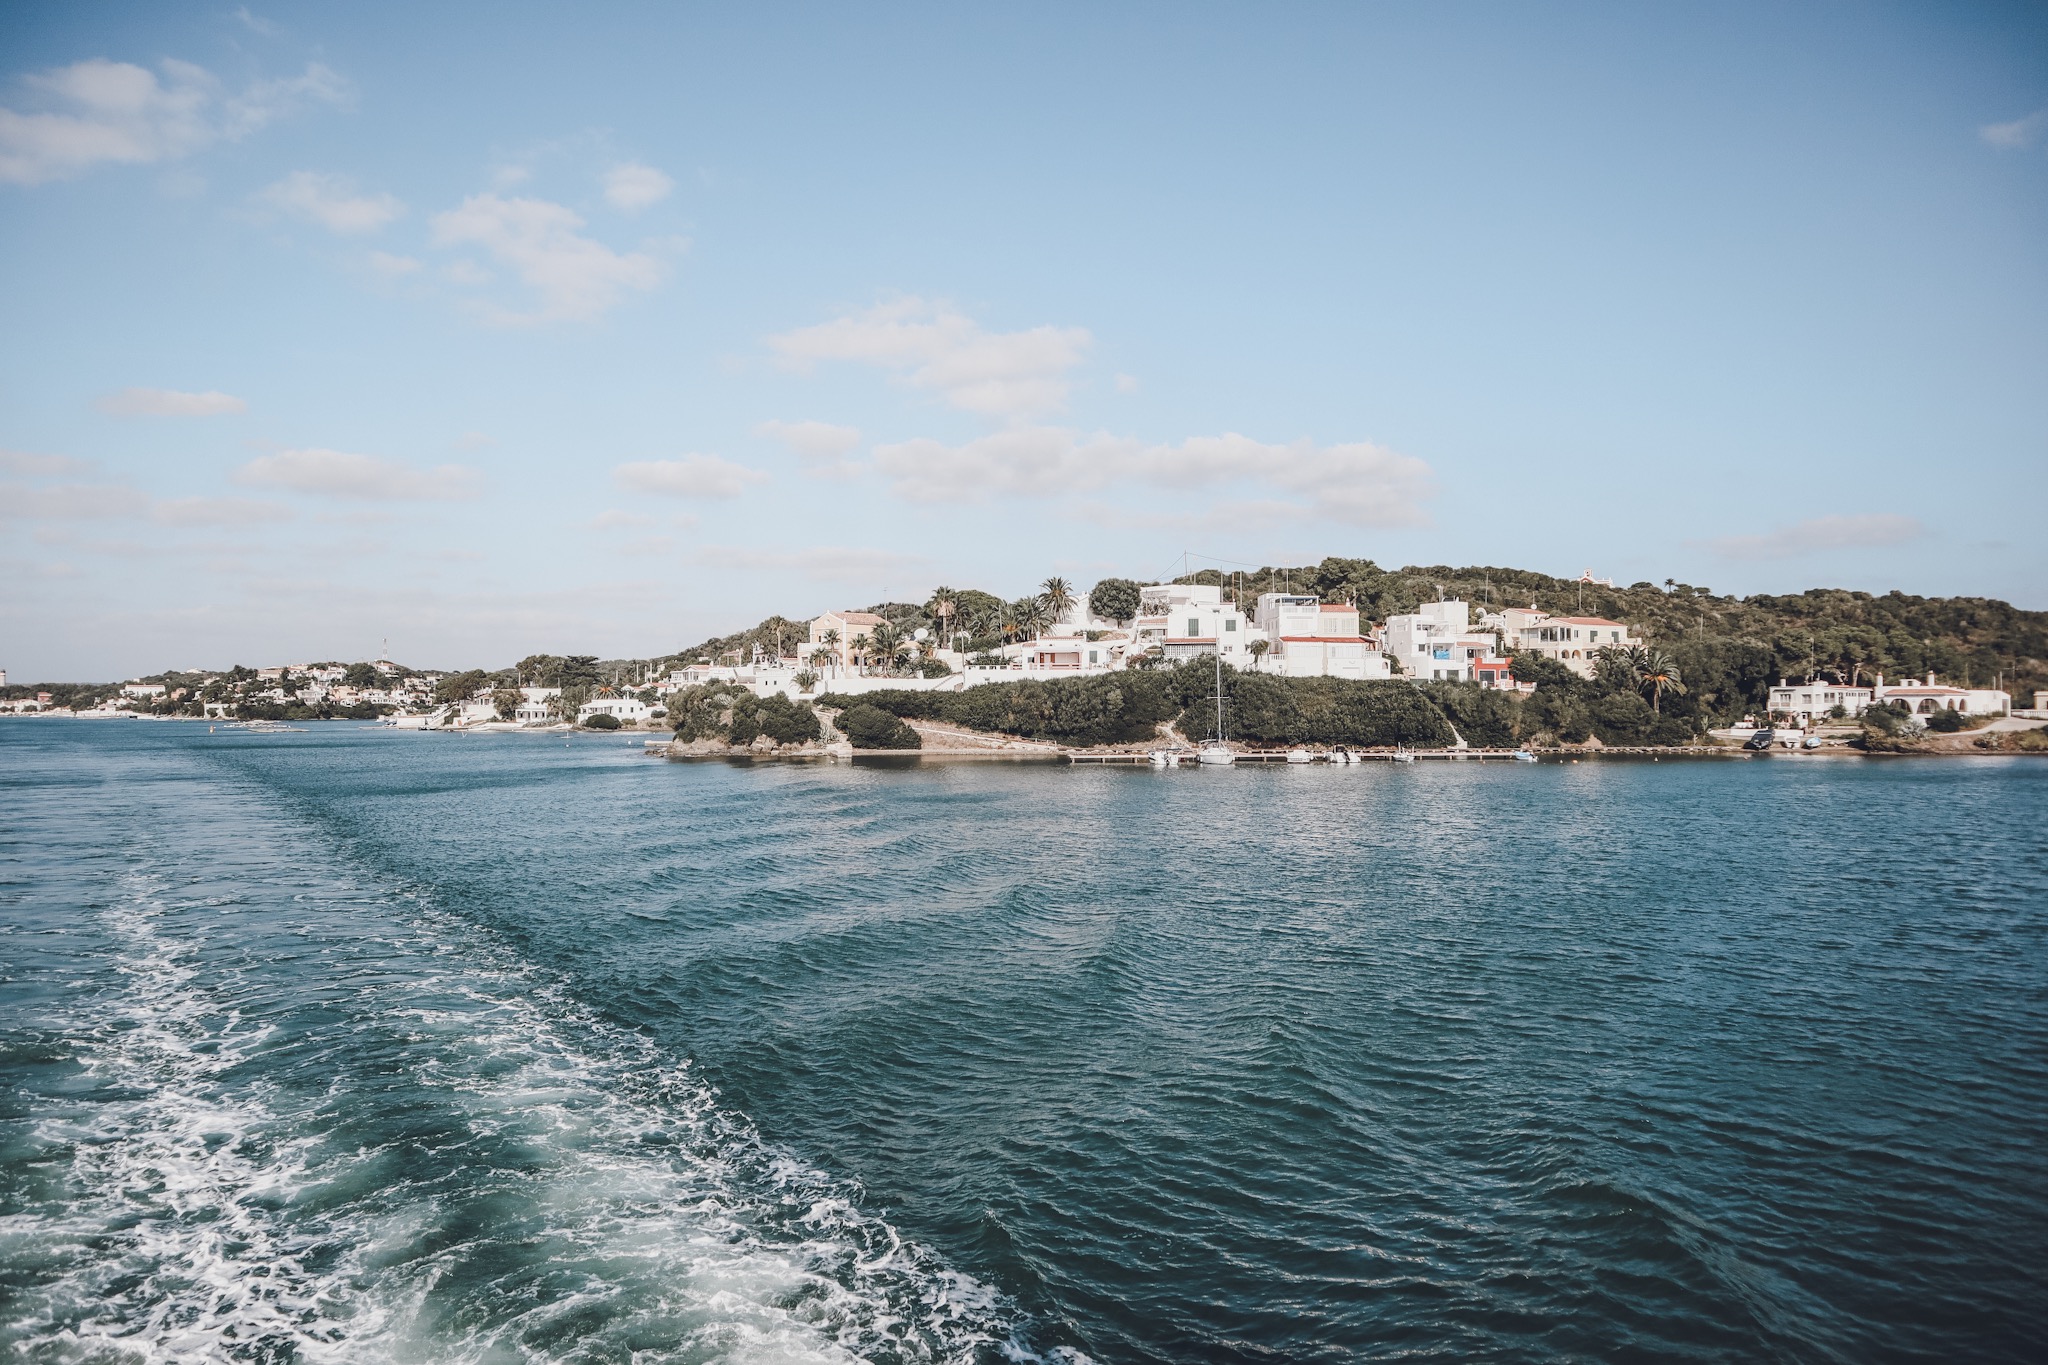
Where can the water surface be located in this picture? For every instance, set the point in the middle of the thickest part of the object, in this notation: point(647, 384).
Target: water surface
point(357, 1045)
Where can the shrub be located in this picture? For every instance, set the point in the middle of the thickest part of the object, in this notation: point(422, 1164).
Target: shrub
point(601, 721)
point(776, 716)
point(870, 727)
point(1945, 721)
point(934, 668)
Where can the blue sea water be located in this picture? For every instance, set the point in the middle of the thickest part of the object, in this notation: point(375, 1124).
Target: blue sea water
point(355, 1045)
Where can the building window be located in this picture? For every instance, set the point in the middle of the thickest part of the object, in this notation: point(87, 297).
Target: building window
point(1230, 623)
point(1194, 626)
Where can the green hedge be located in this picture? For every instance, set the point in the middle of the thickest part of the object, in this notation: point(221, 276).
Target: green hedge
point(870, 727)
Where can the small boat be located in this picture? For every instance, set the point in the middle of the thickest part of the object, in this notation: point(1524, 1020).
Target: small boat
point(1524, 756)
point(1300, 756)
point(1403, 756)
point(1164, 758)
point(1811, 742)
point(1759, 741)
point(1342, 756)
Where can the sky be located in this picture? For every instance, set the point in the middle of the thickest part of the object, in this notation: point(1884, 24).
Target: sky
point(473, 332)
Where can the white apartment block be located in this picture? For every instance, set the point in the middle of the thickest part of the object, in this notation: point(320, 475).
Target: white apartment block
point(1437, 641)
point(1189, 620)
point(1311, 638)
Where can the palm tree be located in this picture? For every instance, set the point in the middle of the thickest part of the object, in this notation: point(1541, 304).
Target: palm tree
point(941, 608)
point(1659, 674)
point(1033, 615)
point(859, 645)
point(1058, 596)
point(830, 640)
point(1618, 667)
point(1257, 649)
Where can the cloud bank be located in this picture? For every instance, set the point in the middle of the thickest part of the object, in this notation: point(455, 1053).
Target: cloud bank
point(1821, 533)
point(1356, 484)
point(365, 478)
point(99, 111)
point(332, 202)
point(693, 476)
point(931, 346)
point(576, 277)
point(170, 403)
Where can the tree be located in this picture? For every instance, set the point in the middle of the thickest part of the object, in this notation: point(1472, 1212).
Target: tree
point(867, 727)
point(359, 676)
point(942, 606)
point(1058, 596)
point(506, 702)
point(460, 686)
point(601, 721)
point(1258, 650)
point(805, 679)
point(1658, 675)
point(1114, 599)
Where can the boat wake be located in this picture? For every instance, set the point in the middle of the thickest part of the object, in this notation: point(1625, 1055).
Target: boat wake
point(428, 1151)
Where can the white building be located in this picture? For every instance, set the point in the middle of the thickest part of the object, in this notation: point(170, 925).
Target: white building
point(1311, 638)
point(1812, 701)
point(625, 710)
point(142, 691)
point(533, 708)
point(1437, 641)
point(1923, 697)
point(1190, 620)
point(1574, 641)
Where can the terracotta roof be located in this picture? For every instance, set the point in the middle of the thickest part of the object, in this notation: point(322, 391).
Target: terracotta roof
point(857, 618)
point(1581, 621)
point(1327, 639)
point(1336, 606)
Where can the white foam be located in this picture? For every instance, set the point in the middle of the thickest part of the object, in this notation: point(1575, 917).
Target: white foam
point(195, 1233)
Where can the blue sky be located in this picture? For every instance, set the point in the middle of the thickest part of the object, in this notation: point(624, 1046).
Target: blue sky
point(493, 330)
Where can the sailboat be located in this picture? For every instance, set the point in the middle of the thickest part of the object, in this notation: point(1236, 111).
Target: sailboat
point(1215, 751)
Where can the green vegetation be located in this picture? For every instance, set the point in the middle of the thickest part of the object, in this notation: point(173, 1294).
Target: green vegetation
point(733, 715)
point(601, 721)
point(870, 727)
point(1128, 708)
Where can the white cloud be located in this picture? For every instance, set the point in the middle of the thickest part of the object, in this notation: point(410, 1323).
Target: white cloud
point(393, 267)
point(1357, 484)
point(2020, 133)
point(256, 23)
point(39, 466)
point(812, 440)
point(218, 511)
point(693, 476)
point(338, 474)
point(633, 187)
point(170, 403)
point(836, 563)
point(1822, 533)
point(99, 111)
point(933, 347)
point(576, 277)
point(69, 502)
point(1127, 383)
point(332, 202)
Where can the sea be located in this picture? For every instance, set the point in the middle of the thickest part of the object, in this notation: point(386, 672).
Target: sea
point(356, 1045)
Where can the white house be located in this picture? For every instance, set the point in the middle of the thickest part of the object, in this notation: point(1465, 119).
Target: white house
point(1437, 641)
point(1574, 641)
point(1923, 697)
point(625, 710)
point(1811, 701)
point(142, 691)
point(1189, 620)
point(1310, 638)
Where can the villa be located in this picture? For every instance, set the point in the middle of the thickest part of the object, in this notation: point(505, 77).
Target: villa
point(1311, 638)
point(1436, 641)
point(1190, 620)
point(1811, 701)
point(1923, 697)
point(1574, 641)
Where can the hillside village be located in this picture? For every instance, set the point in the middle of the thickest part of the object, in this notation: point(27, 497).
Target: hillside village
point(1482, 663)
